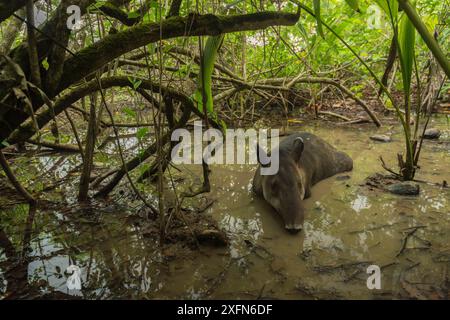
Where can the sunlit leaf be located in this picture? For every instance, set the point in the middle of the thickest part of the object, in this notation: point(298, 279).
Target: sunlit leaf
point(5, 143)
point(133, 15)
point(141, 133)
point(129, 112)
point(45, 64)
point(135, 82)
point(318, 18)
point(390, 8)
point(209, 58)
point(354, 4)
point(406, 41)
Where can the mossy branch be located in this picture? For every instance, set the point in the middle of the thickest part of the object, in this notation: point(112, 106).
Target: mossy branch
point(26, 130)
point(94, 57)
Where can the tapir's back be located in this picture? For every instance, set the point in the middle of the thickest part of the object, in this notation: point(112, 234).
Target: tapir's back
point(319, 159)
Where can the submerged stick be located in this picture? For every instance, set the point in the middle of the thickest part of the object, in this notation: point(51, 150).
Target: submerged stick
point(12, 178)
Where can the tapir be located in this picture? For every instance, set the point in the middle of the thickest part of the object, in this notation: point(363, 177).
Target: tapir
point(304, 160)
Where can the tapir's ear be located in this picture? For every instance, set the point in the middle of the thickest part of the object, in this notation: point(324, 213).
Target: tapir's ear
point(263, 158)
point(297, 148)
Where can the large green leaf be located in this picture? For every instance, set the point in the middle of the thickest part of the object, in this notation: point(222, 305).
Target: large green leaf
point(390, 7)
point(354, 4)
point(209, 58)
point(406, 43)
point(318, 18)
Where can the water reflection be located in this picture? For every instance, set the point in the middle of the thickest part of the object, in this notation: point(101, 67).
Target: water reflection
point(318, 239)
point(103, 246)
point(360, 203)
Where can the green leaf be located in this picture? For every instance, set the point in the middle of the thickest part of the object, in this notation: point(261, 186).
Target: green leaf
point(406, 43)
point(354, 4)
point(302, 30)
point(318, 18)
point(5, 143)
point(209, 58)
point(147, 18)
point(390, 7)
point(45, 64)
point(154, 4)
point(133, 15)
point(135, 82)
point(141, 133)
point(129, 112)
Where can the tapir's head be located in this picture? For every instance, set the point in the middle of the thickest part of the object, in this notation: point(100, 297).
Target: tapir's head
point(285, 190)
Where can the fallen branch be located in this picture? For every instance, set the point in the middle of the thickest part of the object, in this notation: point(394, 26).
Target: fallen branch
point(356, 121)
point(12, 178)
point(55, 146)
point(409, 234)
point(336, 115)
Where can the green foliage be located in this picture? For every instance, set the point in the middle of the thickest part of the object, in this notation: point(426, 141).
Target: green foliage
point(129, 112)
point(317, 12)
point(133, 15)
point(390, 8)
point(5, 143)
point(354, 4)
point(406, 42)
point(45, 64)
point(204, 79)
point(142, 133)
point(135, 82)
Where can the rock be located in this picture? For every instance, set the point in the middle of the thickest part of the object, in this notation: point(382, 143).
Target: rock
point(404, 188)
point(212, 237)
point(432, 134)
point(381, 138)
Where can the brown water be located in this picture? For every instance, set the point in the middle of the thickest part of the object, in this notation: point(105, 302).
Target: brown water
point(347, 228)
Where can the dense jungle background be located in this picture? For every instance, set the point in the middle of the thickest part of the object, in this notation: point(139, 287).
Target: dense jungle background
point(91, 91)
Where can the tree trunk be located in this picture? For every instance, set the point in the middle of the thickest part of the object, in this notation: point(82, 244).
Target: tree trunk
point(89, 151)
point(32, 46)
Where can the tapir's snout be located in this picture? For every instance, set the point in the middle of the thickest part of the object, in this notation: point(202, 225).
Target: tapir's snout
point(293, 228)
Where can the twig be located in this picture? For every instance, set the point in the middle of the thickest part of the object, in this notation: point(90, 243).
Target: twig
point(336, 115)
point(407, 236)
point(14, 181)
point(383, 164)
point(55, 146)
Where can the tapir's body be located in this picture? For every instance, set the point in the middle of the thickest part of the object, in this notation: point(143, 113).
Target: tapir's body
point(304, 160)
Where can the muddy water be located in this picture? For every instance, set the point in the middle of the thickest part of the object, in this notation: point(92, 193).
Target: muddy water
point(347, 228)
